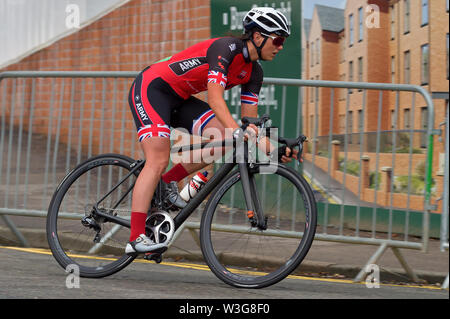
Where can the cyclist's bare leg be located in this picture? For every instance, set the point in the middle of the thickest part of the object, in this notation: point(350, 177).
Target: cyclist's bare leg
point(156, 151)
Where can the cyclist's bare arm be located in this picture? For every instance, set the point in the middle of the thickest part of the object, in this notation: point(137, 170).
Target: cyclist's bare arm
point(249, 110)
point(219, 106)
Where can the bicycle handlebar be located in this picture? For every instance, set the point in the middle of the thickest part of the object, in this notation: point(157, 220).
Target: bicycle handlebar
point(263, 122)
point(289, 142)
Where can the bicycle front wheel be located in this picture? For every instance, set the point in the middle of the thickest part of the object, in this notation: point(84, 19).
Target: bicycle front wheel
point(76, 235)
point(245, 256)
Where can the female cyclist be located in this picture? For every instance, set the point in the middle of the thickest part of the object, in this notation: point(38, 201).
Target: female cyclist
point(161, 97)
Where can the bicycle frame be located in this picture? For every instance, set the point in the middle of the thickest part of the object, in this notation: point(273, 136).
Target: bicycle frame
point(238, 158)
point(224, 170)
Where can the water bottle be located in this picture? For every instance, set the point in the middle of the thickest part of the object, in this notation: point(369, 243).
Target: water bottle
point(194, 186)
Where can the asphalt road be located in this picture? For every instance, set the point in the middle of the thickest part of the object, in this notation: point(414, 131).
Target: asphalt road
point(34, 274)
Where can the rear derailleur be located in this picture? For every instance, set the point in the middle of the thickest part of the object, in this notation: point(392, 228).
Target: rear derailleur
point(93, 222)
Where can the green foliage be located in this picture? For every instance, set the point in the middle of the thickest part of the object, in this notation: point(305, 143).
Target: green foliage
point(374, 183)
point(350, 166)
point(417, 181)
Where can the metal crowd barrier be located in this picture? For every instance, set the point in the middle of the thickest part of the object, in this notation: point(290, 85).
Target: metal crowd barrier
point(444, 233)
point(86, 113)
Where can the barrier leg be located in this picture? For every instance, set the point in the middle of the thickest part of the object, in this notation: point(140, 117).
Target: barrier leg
point(373, 260)
point(15, 231)
point(104, 239)
point(445, 283)
point(405, 265)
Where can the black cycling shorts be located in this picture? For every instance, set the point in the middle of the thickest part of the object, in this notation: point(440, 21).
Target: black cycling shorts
point(157, 108)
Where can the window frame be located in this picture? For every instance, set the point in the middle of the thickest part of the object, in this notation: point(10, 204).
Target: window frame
point(360, 71)
point(351, 30)
point(393, 65)
point(424, 3)
point(360, 25)
point(407, 16)
point(407, 67)
point(350, 74)
point(393, 24)
point(318, 51)
point(424, 66)
point(447, 54)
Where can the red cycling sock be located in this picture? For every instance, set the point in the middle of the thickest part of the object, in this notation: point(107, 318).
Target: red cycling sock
point(137, 225)
point(176, 173)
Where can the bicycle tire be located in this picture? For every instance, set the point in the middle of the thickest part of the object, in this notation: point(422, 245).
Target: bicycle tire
point(217, 260)
point(55, 240)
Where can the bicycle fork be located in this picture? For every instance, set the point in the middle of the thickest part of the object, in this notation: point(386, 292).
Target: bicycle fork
point(255, 212)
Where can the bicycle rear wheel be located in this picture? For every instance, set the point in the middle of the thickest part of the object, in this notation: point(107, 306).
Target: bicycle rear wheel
point(71, 213)
point(245, 256)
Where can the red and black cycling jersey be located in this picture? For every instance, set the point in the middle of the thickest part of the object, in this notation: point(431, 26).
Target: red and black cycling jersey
point(225, 61)
point(161, 96)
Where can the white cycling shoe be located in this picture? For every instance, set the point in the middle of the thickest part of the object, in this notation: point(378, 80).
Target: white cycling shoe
point(143, 244)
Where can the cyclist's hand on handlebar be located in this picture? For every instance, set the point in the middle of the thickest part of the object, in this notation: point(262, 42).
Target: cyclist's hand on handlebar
point(289, 155)
point(251, 131)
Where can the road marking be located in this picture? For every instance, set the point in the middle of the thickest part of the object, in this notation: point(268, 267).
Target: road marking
point(320, 190)
point(206, 268)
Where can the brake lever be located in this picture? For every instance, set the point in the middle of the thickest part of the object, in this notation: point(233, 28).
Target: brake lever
point(298, 142)
point(302, 139)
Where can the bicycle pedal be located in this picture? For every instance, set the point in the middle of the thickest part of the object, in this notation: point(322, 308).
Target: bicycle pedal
point(156, 257)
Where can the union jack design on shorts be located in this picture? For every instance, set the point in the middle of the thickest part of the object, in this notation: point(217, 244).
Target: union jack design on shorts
point(200, 123)
point(217, 77)
point(249, 98)
point(153, 130)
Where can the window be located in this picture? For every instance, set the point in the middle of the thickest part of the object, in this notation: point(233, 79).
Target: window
point(350, 123)
point(360, 18)
point(317, 90)
point(360, 121)
point(447, 56)
point(392, 69)
point(425, 63)
point(407, 62)
point(393, 120)
point(350, 74)
point(424, 12)
point(351, 30)
point(360, 69)
point(406, 119)
point(392, 22)
point(407, 9)
point(342, 123)
point(360, 124)
point(318, 51)
point(312, 53)
point(423, 126)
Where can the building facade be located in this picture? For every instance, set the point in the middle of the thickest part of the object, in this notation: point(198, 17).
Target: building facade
point(397, 41)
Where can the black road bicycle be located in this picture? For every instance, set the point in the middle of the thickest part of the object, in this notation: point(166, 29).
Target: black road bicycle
point(257, 226)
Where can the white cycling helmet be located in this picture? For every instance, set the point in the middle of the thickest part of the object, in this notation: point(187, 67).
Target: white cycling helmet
point(267, 20)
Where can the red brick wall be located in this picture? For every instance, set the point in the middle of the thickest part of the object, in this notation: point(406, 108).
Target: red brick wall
point(128, 39)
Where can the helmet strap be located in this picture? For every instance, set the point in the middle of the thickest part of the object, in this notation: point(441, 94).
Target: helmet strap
point(258, 48)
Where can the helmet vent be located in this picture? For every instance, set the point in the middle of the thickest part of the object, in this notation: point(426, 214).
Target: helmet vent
point(267, 22)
